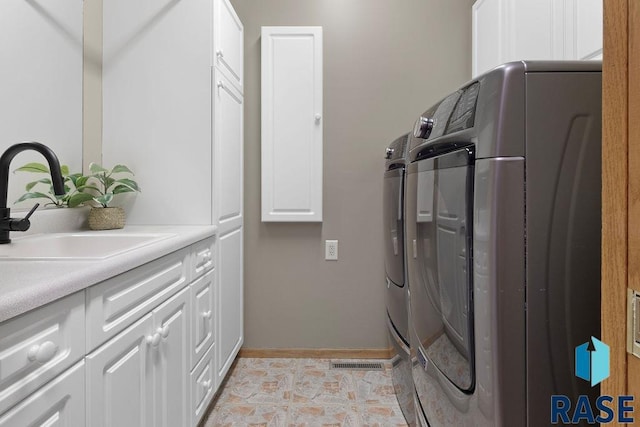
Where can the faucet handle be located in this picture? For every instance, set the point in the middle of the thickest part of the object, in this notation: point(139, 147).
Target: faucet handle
point(33, 209)
point(23, 224)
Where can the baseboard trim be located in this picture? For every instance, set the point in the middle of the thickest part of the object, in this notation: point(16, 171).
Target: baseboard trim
point(318, 353)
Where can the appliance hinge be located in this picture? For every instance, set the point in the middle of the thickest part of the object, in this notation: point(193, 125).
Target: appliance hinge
point(633, 322)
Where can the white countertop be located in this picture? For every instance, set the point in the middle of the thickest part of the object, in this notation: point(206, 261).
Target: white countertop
point(28, 284)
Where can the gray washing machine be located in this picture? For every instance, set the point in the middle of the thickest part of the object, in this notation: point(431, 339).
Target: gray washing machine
point(503, 244)
point(395, 265)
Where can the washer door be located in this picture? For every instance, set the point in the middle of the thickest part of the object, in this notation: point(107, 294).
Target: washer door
point(394, 225)
point(439, 237)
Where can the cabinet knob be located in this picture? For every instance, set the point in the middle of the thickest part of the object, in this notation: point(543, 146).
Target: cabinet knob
point(220, 54)
point(206, 384)
point(42, 353)
point(164, 331)
point(207, 314)
point(153, 340)
point(220, 85)
point(318, 117)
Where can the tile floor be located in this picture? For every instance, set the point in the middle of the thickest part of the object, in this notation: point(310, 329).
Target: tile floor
point(304, 392)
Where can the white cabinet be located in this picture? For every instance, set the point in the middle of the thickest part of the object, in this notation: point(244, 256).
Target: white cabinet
point(150, 357)
point(228, 42)
point(203, 316)
point(117, 302)
point(583, 20)
point(230, 297)
point(512, 30)
point(228, 142)
point(60, 403)
point(120, 384)
point(38, 346)
point(171, 359)
point(291, 124)
point(203, 385)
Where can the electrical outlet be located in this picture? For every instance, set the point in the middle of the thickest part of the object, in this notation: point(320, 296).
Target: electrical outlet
point(331, 250)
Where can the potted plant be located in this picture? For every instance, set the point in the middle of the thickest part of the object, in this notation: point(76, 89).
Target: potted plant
point(98, 188)
point(34, 189)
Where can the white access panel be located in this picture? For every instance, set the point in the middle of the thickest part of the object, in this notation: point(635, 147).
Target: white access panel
point(291, 124)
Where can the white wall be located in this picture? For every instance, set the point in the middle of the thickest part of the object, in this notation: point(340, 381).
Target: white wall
point(41, 82)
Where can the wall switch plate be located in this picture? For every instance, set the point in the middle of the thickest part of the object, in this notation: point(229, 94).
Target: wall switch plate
point(331, 250)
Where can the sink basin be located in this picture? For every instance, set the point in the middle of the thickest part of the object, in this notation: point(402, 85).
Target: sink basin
point(76, 246)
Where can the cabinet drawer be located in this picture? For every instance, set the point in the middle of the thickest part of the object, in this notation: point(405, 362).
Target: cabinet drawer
point(202, 257)
point(39, 345)
point(59, 403)
point(202, 316)
point(118, 302)
point(203, 385)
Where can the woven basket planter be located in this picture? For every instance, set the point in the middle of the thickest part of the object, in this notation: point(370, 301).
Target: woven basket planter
point(106, 218)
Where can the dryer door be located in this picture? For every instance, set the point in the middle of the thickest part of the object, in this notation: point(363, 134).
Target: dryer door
point(439, 237)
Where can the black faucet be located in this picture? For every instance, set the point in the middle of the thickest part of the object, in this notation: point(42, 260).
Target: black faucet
point(7, 223)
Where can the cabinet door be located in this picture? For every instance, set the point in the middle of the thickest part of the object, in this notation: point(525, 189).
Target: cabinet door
point(59, 403)
point(586, 22)
point(171, 357)
point(230, 306)
point(120, 379)
point(291, 124)
point(228, 153)
point(228, 42)
point(203, 316)
point(487, 29)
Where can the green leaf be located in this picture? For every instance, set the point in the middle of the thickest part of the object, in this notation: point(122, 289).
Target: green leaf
point(104, 200)
point(33, 167)
point(30, 185)
point(80, 181)
point(74, 178)
point(89, 187)
point(121, 168)
point(122, 189)
point(129, 183)
point(35, 195)
point(64, 170)
point(96, 168)
point(108, 182)
point(79, 198)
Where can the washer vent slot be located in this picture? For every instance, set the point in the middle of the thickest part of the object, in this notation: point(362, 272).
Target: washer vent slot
point(358, 366)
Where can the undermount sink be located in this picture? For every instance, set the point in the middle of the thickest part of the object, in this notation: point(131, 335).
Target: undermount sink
point(76, 246)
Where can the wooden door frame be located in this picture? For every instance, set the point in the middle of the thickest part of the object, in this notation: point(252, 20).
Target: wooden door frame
point(620, 187)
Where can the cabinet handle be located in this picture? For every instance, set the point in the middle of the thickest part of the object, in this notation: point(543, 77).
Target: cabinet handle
point(207, 314)
point(164, 331)
point(220, 54)
point(206, 384)
point(42, 353)
point(153, 340)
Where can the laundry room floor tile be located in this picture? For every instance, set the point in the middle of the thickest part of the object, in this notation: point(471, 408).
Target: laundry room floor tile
point(279, 392)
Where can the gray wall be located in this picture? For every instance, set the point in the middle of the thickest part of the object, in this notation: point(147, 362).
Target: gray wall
point(385, 62)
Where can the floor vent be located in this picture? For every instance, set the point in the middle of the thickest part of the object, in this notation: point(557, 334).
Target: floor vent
point(358, 366)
